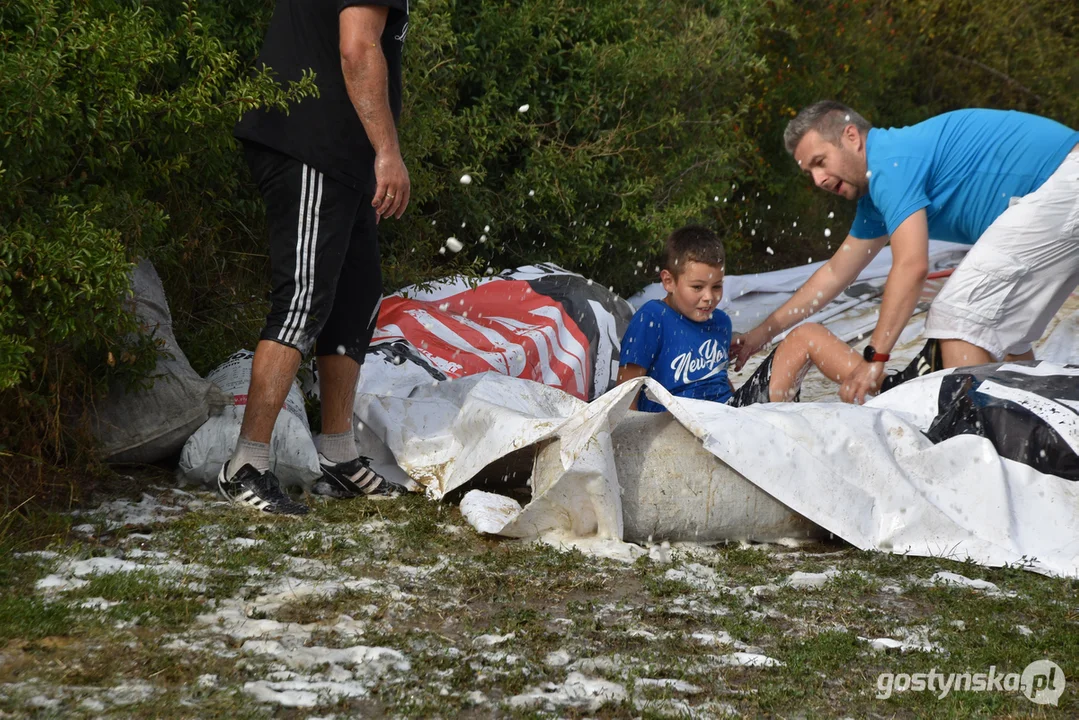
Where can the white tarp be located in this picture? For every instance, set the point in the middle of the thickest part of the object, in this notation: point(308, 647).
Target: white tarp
point(867, 474)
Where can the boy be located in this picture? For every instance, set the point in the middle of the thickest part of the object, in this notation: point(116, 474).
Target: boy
point(683, 341)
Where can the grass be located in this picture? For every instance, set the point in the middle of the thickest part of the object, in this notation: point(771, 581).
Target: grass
point(429, 587)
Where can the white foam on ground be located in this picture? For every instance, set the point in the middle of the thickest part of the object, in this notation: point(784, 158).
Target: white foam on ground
point(97, 603)
point(680, 708)
point(915, 639)
point(491, 640)
point(557, 658)
point(578, 691)
point(668, 684)
point(697, 576)
point(601, 547)
point(811, 580)
point(243, 542)
point(373, 660)
point(424, 571)
point(746, 659)
point(71, 574)
point(56, 583)
point(149, 510)
point(720, 637)
point(488, 512)
point(641, 633)
point(950, 578)
point(303, 693)
point(606, 665)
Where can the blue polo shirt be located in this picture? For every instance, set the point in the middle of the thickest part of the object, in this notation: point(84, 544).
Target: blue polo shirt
point(688, 358)
point(962, 167)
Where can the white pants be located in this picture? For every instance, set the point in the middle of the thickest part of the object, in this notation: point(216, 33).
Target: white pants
point(1021, 270)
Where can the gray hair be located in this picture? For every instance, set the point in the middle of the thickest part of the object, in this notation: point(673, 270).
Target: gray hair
point(827, 117)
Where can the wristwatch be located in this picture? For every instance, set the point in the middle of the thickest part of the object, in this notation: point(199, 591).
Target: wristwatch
point(871, 355)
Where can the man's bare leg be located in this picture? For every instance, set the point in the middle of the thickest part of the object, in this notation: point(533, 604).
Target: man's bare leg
point(1028, 355)
point(347, 474)
point(960, 353)
point(272, 372)
point(807, 345)
point(337, 377)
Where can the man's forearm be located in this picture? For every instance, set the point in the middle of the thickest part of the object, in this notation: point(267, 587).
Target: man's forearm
point(910, 265)
point(901, 294)
point(832, 278)
point(819, 290)
point(366, 79)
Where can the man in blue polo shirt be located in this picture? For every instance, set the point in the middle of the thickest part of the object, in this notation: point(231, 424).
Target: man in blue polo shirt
point(1003, 181)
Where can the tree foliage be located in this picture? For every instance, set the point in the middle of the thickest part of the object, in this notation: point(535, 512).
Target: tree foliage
point(114, 123)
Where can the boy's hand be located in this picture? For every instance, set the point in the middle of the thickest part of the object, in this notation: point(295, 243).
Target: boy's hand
point(745, 346)
point(863, 383)
point(628, 372)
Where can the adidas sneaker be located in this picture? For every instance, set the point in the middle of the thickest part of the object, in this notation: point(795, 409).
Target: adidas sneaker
point(927, 361)
point(260, 491)
point(354, 478)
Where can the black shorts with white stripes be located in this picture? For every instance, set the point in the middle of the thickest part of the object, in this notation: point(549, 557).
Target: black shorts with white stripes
point(324, 258)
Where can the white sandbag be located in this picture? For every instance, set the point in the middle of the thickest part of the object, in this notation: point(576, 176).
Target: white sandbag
point(673, 489)
point(293, 457)
point(149, 425)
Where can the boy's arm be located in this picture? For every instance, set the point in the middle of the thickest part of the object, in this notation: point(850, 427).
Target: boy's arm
point(628, 372)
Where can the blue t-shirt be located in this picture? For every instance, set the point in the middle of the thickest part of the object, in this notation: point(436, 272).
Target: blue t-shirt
point(688, 358)
point(962, 167)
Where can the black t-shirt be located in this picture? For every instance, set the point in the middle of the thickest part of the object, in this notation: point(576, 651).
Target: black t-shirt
point(324, 132)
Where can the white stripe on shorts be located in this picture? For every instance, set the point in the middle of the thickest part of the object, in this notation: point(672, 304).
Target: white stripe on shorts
point(303, 275)
point(374, 313)
point(312, 246)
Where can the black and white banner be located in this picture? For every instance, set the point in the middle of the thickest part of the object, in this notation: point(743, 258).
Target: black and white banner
point(1029, 411)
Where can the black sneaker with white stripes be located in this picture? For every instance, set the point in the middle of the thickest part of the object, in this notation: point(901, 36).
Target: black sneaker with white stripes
point(929, 360)
point(260, 491)
point(354, 478)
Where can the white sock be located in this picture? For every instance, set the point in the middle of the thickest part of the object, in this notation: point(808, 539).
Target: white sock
point(338, 447)
point(249, 452)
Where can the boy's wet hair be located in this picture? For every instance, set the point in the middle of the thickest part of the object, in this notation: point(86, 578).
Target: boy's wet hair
point(692, 243)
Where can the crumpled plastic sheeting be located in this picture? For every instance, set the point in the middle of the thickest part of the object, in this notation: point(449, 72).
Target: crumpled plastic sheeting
point(865, 473)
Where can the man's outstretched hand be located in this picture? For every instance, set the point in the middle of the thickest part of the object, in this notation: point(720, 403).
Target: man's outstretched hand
point(863, 383)
point(745, 346)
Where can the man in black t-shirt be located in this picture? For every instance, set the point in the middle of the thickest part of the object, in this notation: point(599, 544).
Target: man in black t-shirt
point(328, 170)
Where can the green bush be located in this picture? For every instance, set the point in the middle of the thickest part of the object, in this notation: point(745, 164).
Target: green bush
point(630, 130)
point(115, 119)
